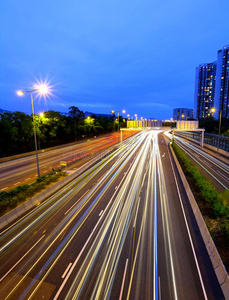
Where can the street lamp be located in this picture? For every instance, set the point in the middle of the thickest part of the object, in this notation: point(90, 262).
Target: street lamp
point(118, 111)
point(43, 89)
point(220, 117)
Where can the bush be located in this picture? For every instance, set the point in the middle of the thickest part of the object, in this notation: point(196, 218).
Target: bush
point(13, 202)
point(31, 191)
point(39, 186)
point(21, 196)
point(225, 230)
point(3, 206)
point(40, 179)
point(224, 198)
point(10, 199)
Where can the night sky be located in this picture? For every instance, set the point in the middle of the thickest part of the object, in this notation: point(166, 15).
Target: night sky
point(100, 55)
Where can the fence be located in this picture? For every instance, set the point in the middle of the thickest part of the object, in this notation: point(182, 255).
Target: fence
point(222, 142)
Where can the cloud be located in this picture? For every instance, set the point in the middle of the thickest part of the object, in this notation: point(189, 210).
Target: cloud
point(152, 104)
point(91, 105)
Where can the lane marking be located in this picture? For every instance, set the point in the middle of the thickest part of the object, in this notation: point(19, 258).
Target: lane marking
point(159, 287)
point(17, 182)
point(22, 258)
point(4, 188)
point(189, 234)
point(28, 178)
point(66, 271)
point(101, 213)
point(45, 171)
point(123, 280)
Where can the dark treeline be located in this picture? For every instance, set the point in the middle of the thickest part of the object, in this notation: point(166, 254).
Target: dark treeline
point(211, 125)
point(53, 129)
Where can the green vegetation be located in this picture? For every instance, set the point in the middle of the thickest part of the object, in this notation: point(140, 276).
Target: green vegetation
point(9, 200)
point(213, 205)
point(52, 129)
point(211, 125)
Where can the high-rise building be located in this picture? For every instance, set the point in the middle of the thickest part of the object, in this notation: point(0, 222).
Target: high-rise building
point(222, 84)
point(212, 87)
point(204, 90)
point(182, 114)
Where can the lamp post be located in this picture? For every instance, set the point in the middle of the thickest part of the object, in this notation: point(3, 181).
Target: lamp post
point(43, 90)
point(118, 111)
point(220, 117)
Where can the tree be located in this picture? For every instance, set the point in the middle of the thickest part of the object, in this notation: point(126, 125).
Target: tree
point(77, 115)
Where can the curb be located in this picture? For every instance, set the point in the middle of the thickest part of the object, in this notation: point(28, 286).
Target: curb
point(26, 206)
point(220, 271)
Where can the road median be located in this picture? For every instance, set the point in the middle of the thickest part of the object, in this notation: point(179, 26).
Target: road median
point(15, 213)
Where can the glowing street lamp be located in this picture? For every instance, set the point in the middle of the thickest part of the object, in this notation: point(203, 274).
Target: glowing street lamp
point(43, 89)
point(220, 117)
point(118, 111)
point(212, 110)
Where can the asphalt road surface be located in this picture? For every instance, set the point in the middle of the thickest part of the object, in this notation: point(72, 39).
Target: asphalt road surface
point(121, 230)
point(24, 170)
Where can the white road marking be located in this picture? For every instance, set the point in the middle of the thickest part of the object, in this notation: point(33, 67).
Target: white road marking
point(101, 213)
point(28, 178)
point(159, 287)
point(17, 182)
point(4, 188)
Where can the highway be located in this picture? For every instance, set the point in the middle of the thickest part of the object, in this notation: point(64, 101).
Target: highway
point(24, 170)
point(216, 171)
point(121, 230)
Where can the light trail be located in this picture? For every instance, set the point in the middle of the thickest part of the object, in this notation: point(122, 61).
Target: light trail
point(59, 251)
point(117, 218)
point(191, 151)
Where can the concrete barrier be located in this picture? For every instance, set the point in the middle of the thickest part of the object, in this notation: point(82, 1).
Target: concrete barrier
point(28, 205)
point(216, 260)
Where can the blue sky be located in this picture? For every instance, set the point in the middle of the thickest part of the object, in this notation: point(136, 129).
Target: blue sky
point(137, 55)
